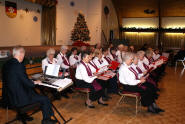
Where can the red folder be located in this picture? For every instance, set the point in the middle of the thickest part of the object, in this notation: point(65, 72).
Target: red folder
point(114, 65)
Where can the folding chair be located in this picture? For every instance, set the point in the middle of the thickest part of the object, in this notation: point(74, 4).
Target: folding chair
point(183, 63)
point(124, 94)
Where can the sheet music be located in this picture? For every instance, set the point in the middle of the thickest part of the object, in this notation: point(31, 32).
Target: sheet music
point(107, 75)
point(53, 70)
point(102, 69)
point(103, 78)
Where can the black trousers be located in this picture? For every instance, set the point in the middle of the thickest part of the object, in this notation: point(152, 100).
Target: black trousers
point(147, 96)
point(93, 95)
point(113, 85)
point(104, 85)
point(46, 106)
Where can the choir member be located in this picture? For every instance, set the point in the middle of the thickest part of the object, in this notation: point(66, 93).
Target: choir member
point(137, 71)
point(82, 49)
point(144, 65)
point(62, 60)
point(107, 60)
point(98, 59)
point(18, 89)
point(103, 61)
point(156, 54)
point(49, 59)
point(125, 48)
point(119, 53)
point(132, 49)
point(141, 64)
point(110, 46)
point(132, 84)
point(74, 58)
point(86, 79)
point(112, 54)
point(104, 84)
point(148, 60)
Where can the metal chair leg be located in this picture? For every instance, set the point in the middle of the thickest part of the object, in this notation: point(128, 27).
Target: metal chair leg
point(182, 72)
point(140, 102)
point(7, 114)
point(123, 99)
point(88, 95)
point(136, 104)
point(120, 100)
point(175, 66)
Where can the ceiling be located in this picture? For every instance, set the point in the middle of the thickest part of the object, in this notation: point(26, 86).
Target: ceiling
point(135, 8)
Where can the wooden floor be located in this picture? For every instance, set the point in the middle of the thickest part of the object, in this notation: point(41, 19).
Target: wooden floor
point(172, 99)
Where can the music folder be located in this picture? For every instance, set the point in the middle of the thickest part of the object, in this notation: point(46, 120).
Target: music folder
point(114, 65)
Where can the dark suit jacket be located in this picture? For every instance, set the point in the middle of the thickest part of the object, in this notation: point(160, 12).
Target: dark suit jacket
point(18, 89)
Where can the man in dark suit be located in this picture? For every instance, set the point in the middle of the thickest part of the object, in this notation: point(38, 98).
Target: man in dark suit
point(18, 89)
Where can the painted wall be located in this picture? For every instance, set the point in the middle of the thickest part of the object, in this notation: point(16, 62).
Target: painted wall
point(21, 30)
point(67, 16)
point(109, 22)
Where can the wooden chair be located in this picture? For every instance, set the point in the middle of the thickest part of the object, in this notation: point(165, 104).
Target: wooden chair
point(124, 94)
point(21, 111)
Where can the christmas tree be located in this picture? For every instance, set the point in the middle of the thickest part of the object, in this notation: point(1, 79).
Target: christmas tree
point(80, 31)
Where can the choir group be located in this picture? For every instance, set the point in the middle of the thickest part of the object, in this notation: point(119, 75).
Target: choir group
point(99, 69)
point(137, 71)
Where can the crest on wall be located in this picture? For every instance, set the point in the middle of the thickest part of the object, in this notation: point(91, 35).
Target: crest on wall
point(11, 9)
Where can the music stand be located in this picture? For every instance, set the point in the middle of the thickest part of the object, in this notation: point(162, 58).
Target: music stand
point(51, 76)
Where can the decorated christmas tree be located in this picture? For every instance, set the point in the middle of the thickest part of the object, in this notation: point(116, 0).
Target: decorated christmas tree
point(80, 31)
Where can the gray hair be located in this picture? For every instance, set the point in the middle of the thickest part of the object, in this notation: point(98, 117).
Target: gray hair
point(17, 49)
point(140, 53)
point(149, 52)
point(50, 51)
point(127, 56)
point(64, 48)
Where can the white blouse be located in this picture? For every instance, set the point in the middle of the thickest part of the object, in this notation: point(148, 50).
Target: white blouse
point(126, 76)
point(46, 61)
point(81, 74)
point(61, 62)
point(74, 59)
point(119, 55)
point(134, 67)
